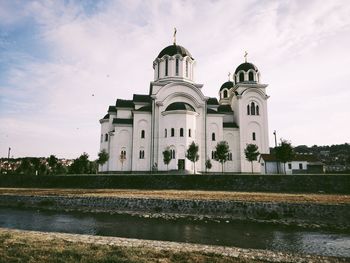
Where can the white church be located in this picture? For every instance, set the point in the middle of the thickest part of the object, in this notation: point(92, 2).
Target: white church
point(175, 113)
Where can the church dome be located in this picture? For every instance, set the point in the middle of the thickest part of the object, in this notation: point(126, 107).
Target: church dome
point(245, 67)
point(174, 50)
point(227, 85)
point(179, 106)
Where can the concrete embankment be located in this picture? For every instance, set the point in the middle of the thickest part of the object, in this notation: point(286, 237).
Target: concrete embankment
point(309, 214)
point(246, 255)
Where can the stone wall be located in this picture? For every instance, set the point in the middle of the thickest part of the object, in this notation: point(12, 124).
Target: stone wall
point(336, 184)
point(303, 213)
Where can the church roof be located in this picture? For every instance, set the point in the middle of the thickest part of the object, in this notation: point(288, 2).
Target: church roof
point(106, 116)
point(212, 101)
point(211, 111)
point(230, 125)
point(145, 108)
point(245, 67)
point(141, 98)
point(124, 103)
point(122, 121)
point(227, 85)
point(174, 50)
point(179, 106)
point(224, 108)
point(112, 109)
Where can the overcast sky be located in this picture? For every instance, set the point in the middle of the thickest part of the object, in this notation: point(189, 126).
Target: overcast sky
point(55, 55)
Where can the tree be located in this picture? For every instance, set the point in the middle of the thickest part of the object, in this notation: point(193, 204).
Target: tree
point(52, 161)
point(25, 167)
point(81, 165)
point(103, 157)
point(167, 157)
point(251, 153)
point(221, 153)
point(192, 155)
point(284, 153)
point(208, 165)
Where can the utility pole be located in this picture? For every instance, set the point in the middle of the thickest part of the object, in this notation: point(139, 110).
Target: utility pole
point(275, 134)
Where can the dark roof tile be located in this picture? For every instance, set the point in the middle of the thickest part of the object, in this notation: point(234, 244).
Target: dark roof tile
point(141, 98)
point(124, 103)
point(224, 108)
point(123, 121)
point(230, 125)
point(212, 101)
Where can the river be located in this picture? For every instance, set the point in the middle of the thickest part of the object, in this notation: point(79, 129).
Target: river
point(225, 233)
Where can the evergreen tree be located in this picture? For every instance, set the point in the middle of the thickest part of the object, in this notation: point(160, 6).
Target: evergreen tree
point(192, 154)
point(208, 165)
point(251, 153)
point(221, 153)
point(81, 165)
point(167, 157)
point(52, 161)
point(103, 157)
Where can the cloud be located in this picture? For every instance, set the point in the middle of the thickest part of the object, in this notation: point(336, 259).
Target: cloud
point(96, 52)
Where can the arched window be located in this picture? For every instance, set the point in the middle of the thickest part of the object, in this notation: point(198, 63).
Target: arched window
point(106, 137)
point(229, 157)
point(253, 136)
point(213, 136)
point(248, 109)
point(252, 108)
point(142, 134)
point(181, 132)
point(241, 77)
point(142, 154)
point(225, 93)
point(213, 153)
point(257, 110)
point(165, 133)
point(172, 154)
point(189, 132)
point(172, 132)
point(251, 76)
point(177, 67)
point(166, 67)
point(186, 68)
point(123, 154)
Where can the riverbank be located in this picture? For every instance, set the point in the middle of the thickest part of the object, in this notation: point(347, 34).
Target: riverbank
point(316, 211)
point(31, 246)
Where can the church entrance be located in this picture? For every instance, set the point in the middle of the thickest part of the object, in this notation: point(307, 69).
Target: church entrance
point(181, 164)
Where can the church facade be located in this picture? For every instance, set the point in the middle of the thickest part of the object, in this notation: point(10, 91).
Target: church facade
point(175, 113)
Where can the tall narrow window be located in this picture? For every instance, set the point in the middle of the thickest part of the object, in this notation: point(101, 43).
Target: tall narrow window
point(181, 132)
point(123, 155)
point(253, 135)
point(106, 137)
point(252, 108)
point(248, 109)
point(158, 69)
point(177, 67)
point(225, 93)
point(101, 137)
point(142, 154)
point(241, 77)
point(172, 154)
point(142, 134)
point(300, 166)
point(172, 132)
point(257, 109)
point(165, 133)
point(166, 67)
point(251, 76)
point(189, 132)
point(213, 136)
point(186, 68)
point(229, 156)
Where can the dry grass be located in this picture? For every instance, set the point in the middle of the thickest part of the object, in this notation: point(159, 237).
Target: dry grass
point(25, 247)
point(175, 194)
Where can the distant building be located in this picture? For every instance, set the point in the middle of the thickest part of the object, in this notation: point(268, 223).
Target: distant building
point(301, 163)
point(175, 113)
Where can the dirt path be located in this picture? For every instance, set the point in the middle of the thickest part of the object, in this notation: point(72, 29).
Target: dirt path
point(175, 194)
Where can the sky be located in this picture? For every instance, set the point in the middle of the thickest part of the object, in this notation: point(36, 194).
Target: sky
point(62, 63)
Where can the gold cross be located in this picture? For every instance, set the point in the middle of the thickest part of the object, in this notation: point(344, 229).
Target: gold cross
point(245, 56)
